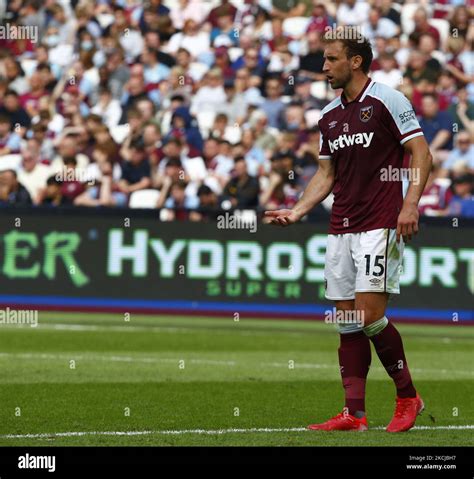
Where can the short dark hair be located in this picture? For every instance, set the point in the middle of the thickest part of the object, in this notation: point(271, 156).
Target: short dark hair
point(354, 45)
point(52, 180)
point(204, 190)
point(11, 93)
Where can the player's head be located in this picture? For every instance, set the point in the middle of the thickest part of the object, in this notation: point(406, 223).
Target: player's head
point(346, 56)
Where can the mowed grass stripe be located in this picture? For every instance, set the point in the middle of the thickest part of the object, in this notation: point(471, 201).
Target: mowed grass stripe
point(139, 370)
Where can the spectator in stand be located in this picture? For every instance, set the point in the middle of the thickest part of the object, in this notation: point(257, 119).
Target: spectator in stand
point(436, 196)
point(104, 191)
point(219, 167)
point(32, 173)
point(135, 172)
point(224, 7)
point(462, 203)
point(188, 10)
point(210, 97)
point(287, 8)
point(192, 38)
point(320, 19)
point(9, 140)
point(86, 93)
point(154, 71)
point(12, 192)
point(462, 111)
point(52, 194)
point(311, 64)
point(437, 127)
point(242, 190)
point(282, 191)
point(273, 106)
point(352, 12)
point(422, 26)
point(379, 26)
point(67, 148)
point(209, 206)
point(18, 116)
point(464, 152)
point(388, 74)
point(459, 22)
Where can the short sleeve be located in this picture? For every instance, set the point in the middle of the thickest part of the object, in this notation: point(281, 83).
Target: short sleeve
point(324, 151)
point(402, 118)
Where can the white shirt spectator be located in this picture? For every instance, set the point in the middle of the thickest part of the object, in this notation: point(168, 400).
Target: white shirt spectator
point(194, 44)
point(35, 179)
point(193, 10)
point(353, 15)
point(209, 99)
point(110, 113)
point(393, 78)
point(385, 28)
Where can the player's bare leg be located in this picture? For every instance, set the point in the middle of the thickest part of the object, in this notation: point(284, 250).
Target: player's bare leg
point(389, 347)
point(354, 361)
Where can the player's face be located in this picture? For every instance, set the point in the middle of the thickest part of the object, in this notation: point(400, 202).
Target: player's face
point(337, 67)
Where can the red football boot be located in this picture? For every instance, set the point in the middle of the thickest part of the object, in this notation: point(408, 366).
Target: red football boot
point(405, 414)
point(342, 422)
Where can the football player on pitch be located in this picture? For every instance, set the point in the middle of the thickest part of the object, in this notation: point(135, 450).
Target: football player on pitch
point(364, 135)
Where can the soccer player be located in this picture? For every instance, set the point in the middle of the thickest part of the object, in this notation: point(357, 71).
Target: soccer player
point(364, 135)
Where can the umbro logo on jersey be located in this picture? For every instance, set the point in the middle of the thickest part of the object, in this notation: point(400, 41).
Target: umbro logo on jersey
point(364, 139)
point(332, 124)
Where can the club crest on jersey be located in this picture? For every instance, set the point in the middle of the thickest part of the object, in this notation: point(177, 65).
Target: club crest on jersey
point(365, 113)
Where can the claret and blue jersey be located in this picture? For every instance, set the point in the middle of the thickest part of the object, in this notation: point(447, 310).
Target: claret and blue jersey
point(364, 137)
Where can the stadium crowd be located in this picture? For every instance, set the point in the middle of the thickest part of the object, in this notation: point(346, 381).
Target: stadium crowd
point(194, 106)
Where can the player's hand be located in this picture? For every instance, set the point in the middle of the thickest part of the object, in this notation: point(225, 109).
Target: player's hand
point(281, 217)
point(407, 224)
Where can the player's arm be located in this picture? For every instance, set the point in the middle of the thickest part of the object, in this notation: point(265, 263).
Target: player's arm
point(420, 166)
point(316, 191)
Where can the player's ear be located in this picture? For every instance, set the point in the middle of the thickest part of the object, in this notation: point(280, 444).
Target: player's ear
point(356, 61)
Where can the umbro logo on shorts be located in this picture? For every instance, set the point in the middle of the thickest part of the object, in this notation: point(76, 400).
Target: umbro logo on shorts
point(364, 139)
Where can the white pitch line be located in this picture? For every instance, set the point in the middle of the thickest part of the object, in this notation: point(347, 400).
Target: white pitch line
point(210, 432)
point(153, 329)
point(213, 362)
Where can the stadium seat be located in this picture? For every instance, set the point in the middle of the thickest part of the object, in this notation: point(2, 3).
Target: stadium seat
point(205, 120)
point(296, 26)
point(233, 134)
point(199, 70)
point(319, 89)
point(443, 28)
point(144, 199)
point(312, 117)
point(235, 53)
point(10, 162)
point(407, 13)
point(119, 133)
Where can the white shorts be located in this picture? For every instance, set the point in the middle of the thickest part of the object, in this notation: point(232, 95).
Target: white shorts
point(363, 262)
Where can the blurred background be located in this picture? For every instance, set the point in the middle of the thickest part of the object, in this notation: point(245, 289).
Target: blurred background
point(181, 110)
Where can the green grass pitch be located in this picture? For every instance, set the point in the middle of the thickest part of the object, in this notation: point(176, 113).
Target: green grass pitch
point(174, 380)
